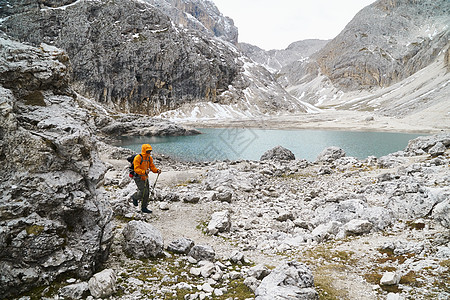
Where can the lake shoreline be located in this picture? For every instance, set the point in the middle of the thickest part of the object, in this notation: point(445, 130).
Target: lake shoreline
point(330, 120)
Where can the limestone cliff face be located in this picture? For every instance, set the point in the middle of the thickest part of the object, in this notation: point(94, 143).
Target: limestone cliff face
point(129, 55)
point(385, 43)
point(53, 219)
point(200, 15)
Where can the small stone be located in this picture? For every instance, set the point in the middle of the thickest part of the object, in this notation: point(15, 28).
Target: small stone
point(390, 278)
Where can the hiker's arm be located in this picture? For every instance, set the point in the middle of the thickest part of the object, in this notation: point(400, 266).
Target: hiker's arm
point(152, 166)
point(138, 166)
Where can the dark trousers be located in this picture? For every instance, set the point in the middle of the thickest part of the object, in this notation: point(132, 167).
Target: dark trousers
point(142, 193)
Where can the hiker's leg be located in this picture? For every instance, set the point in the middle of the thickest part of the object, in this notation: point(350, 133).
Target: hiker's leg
point(145, 195)
point(141, 186)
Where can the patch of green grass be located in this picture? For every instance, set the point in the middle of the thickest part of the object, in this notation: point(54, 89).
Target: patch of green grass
point(175, 270)
point(411, 279)
point(415, 225)
point(237, 290)
point(323, 281)
point(34, 229)
point(391, 257)
point(445, 263)
point(202, 225)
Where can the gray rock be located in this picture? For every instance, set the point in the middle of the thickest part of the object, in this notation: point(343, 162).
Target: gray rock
point(142, 240)
point(202, 16)
point(220, 222)
point(365, 56)
point(191, 198)
point(202, 252)
point(237, 257)
point(285, 215)
point(423, 144)
point(181, 245)
point(292, 280)
point(330, 154)
point(441, 213)
point(54, 220)
point(390, 161)
point(103, 284)
point(259, 271)
point(276, 59)
point(324, 232)
point(75, 291)
point(225, 196)
point(278, 153)
point(438, 149)
point(252, 283)
point(390, 278)
point(355, 227)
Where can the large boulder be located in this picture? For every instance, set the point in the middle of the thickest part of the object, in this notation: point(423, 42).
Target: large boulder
point(202, 252)
point(103, 284)
point(142, 240)
point(441, 213)
point(181, 245)
point(330, 154)
point(432, 144)
point(278, 153)
point(292, 280)
point(53, 219)
point(220, 222)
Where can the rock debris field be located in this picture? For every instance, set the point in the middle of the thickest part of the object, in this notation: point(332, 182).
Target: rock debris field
point(279, 228)
point(336, 228)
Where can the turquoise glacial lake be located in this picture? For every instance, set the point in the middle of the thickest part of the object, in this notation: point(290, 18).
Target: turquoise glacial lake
point(250, 144)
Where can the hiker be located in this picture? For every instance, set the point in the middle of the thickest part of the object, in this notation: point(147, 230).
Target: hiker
point(143, 164)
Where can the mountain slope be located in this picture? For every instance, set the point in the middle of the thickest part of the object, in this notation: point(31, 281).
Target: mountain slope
point(274, 60)
point(132, 57)
point(388, 46)
point(386, 42)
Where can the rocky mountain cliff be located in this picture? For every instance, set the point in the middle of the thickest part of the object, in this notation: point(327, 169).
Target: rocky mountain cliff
point(203, 16)
point(134, 58)
point(53, 219)
point(275, 60)
point(392, 57)
point(386, 42)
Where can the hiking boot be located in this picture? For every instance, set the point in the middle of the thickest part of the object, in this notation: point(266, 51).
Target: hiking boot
point(135, 202)
point(146, 210)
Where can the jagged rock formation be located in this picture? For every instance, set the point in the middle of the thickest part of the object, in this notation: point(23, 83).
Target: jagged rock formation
point(130, 56)
point(392, 58)
point(133, 58)
point(386, 42)
point(200, 15)
point(275, 60)
point(53, 219)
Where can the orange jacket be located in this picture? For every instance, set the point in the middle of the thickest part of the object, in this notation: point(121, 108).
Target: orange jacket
point(144, 163)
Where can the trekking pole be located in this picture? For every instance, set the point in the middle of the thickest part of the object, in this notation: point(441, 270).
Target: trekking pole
point(153, 188)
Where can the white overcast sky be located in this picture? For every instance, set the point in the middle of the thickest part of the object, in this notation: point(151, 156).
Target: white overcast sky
point(274, 24)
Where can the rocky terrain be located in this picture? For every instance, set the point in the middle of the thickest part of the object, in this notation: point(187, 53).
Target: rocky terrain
point(339, 227)
point(335, 228)
point(54, 220)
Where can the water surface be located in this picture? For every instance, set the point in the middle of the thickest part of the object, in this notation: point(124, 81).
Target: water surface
point(248, 143)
